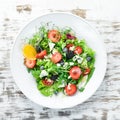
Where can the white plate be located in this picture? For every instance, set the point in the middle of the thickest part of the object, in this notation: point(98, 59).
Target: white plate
point(26, 82)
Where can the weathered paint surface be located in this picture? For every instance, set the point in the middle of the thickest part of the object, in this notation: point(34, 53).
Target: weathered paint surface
point(103, 105)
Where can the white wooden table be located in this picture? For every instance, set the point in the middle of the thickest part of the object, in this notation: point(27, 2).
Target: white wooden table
point(104, 15)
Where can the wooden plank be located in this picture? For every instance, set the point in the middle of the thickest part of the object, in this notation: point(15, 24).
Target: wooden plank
point(103, 105)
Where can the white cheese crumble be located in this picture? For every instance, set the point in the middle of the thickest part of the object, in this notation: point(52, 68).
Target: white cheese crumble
point(71, 63)
point(46, 57)
point(78, 59)
point(69, 77)
point(51, 46)
point(72, 48)
point(77, 56)
point(74, 58)
point(83, 82)
point(65, 65)
point(54, 51)
point(43, 73)
point(58, 64)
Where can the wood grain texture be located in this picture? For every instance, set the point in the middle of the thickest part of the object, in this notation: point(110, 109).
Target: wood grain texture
point(103, 105)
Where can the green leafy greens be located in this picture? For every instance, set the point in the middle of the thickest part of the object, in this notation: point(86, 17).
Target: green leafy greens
point(40, 38)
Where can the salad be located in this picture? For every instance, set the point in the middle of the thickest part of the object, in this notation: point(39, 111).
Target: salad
point(58, 60)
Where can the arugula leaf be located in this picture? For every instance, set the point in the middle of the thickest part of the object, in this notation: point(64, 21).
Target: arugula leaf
point(35, 73)
point(88, 78)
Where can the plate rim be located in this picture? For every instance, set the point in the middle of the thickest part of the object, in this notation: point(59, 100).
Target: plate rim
point(83, 20)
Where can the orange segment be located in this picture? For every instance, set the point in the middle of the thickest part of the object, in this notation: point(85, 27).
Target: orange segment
point(29, 52)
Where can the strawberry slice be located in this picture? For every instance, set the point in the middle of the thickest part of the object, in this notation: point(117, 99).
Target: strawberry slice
point(56, 57)
point(41, 54)
point(29, 63)
point(70, 89)
point(54, 35)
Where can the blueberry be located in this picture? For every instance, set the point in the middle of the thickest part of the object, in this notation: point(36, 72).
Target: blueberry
point(38, 49)
point(70, 54)
point(55, 92)
point(65, 50)
point(42, 67)
point(61, 62)
point(54, 77)
point(89, 58)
